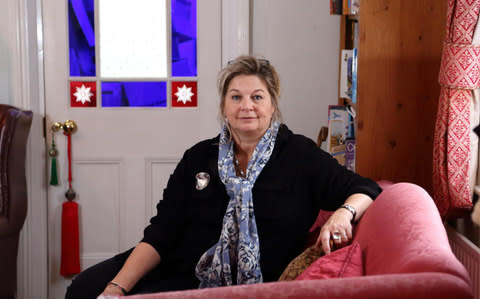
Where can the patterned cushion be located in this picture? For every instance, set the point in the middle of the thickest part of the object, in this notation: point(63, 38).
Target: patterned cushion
point(344, 262)
point(301, 262)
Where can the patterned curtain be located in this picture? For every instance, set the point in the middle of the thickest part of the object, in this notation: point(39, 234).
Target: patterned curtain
point(455, 149)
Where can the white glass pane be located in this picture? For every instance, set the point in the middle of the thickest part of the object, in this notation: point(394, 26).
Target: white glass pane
point(133, 38)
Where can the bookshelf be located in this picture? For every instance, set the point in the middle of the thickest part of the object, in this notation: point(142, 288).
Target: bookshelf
point(348, 41)
point(399, 53)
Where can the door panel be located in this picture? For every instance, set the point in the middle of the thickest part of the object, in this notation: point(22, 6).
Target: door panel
point(122, 157)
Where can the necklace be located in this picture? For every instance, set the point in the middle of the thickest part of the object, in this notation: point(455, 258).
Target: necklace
point(237, 168)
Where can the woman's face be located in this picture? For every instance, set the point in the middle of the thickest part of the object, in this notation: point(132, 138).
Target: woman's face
point(248, 106)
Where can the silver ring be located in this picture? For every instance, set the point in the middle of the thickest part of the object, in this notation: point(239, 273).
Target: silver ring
point(336, 236)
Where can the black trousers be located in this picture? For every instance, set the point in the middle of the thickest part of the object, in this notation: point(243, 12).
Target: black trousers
point(92, 281)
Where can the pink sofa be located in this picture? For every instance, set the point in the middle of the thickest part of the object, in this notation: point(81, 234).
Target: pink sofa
point(406, 254)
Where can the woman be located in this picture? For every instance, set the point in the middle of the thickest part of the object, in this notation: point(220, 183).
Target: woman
point(238, 207)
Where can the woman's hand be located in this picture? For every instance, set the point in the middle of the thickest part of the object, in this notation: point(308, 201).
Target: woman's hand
point(337, 228)
point(112, 290)
point(142, 259)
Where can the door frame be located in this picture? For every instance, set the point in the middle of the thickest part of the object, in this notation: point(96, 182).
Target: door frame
point(28, 91)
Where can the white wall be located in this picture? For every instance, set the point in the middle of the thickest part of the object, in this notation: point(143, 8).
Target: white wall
point(301, 39)
point(7, 26)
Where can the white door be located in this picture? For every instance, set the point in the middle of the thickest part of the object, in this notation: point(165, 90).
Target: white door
point(121, 156)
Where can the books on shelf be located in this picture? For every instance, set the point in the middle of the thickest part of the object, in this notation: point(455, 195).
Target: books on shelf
point(354, 7)
point(350, 7)
point(337, 132)
point(341, 136)
point(345, 70)
point(336, 7)
point(337, 128)
point(350, 154)
point(348, 75)
point(353, 92)
point(355, 34)
point(345, 7)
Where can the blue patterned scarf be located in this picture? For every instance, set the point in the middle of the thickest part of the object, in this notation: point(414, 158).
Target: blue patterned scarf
point(238, 244)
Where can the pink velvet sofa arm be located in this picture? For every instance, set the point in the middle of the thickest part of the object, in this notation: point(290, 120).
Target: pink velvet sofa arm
point(402, 232)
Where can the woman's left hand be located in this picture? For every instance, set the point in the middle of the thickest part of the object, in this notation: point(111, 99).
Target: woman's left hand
point(337, 228)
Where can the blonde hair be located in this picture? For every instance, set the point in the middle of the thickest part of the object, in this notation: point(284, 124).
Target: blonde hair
point(250, 65)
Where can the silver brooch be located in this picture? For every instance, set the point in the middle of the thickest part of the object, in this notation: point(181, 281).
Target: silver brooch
point(203, 179)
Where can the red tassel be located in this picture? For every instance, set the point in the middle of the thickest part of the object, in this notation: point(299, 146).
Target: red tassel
point(70, 262)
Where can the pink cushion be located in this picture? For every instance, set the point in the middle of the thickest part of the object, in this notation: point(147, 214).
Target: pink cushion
point(344, 262)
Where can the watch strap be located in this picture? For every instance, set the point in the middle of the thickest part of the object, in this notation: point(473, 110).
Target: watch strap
point(351, 209)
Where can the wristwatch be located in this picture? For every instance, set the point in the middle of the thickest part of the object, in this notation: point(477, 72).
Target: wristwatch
point(351, 210)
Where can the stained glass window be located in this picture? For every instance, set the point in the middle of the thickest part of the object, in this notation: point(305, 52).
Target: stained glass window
point(134, 94)
point(184, 38)
point(82, 37)
point(140, 62)
point(184, 94)
point(133, 38)
point(83, 94)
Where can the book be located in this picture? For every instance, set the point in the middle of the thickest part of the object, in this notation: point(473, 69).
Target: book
point(341, 135)
point(345, 9)
point(346, 74)
point(353, 78)
point(355, 33)
point(336, 7)
point(337, 132)
point(354, 6)
point(350, 7)
point(350, 154)
point(351, 122)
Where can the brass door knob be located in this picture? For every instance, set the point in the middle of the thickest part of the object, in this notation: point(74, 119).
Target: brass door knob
point(57, 126)
point(69, 127)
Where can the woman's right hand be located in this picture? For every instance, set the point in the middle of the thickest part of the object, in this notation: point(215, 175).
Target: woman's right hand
point(142, 259)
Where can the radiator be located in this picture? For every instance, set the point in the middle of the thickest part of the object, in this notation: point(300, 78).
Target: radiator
point(468, 254)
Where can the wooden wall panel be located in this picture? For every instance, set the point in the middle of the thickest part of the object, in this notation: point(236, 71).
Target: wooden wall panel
point(398, 62)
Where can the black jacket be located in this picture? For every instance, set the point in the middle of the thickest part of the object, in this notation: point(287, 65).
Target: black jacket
point(298, 180)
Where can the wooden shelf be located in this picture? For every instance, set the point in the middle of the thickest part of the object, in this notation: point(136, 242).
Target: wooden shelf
point(399, 53)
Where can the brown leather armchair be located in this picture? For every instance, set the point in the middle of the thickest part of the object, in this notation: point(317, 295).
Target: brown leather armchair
point(14, 129)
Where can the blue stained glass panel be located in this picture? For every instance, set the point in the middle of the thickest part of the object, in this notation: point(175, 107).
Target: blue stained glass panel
point(81, 37)
point(134, 94)
point(184, 38)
